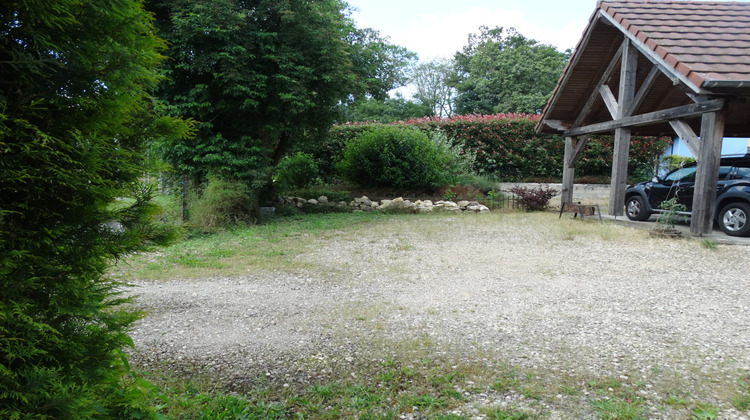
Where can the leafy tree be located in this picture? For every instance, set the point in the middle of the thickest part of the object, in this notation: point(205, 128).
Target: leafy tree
point(431, 81)
point(503, 71)
point(387, 111)
point(264, 76)
point(74, 115)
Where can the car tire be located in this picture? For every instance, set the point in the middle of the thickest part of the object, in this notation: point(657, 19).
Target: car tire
point(635, 209)
point(734, 219)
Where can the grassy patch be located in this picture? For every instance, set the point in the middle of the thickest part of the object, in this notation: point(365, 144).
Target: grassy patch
point(243, 249)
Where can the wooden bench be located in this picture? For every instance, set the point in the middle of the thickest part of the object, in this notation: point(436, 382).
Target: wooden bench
point(582, 209)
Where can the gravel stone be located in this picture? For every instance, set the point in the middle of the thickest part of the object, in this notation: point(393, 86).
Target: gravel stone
point(468, 289)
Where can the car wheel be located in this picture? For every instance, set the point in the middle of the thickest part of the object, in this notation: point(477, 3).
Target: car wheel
point(635, 209)
point(734, 219)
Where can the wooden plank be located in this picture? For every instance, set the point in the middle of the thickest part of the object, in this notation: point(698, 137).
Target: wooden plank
point(707, 174)
point(645, 88)
point(595, 93)
point(687, 135)
point(685, 111)
point(568, 171)
point(579, 145)
point(622, 135)
point(609, 100)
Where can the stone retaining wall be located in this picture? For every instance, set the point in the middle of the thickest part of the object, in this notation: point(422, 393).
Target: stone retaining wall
point(399, 204)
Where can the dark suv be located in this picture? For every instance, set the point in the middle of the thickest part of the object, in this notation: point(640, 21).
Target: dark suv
point(732, 194)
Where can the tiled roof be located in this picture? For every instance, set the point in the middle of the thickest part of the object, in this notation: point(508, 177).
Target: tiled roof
point(700, 47)
point(704, 41)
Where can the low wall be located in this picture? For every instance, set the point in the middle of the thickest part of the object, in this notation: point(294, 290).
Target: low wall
point(581, 192)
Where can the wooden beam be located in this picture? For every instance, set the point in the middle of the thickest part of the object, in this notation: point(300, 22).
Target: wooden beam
point(707, 174)
point(609, 100)
point(595, 93)
point(685, 111)
point(568, 171)
point(687, 135)
point(625, 95)
point(578, 149)
point(643, 91)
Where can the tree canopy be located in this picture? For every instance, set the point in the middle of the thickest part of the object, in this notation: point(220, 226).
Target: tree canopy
point(503, 71)
point(74, 114)
point(261, 76)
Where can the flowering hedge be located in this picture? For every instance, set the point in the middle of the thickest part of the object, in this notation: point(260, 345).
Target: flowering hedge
point(506, 146)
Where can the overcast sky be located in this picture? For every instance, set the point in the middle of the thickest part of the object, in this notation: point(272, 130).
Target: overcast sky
point(435, 28)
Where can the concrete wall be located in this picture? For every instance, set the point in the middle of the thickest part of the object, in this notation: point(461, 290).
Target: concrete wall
point(581, 192)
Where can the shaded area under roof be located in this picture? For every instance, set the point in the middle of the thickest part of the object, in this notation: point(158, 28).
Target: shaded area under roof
point(701, 48)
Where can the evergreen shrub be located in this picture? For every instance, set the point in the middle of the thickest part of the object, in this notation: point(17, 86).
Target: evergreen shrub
point(391, 156)
point(295, 171)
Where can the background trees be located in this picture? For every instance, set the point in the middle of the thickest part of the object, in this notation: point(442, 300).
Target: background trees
point(264, 76)
point(503, 71)
point(432, 88)
point(74, 115)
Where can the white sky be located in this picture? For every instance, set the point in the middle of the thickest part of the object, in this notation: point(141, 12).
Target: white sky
point(439, 28)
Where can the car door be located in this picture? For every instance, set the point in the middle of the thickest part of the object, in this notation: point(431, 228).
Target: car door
point(680, 183)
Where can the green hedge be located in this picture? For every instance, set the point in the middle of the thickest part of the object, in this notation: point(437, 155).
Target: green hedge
point(506, 146)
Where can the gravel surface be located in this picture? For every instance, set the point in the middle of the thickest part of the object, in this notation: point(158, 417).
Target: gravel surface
point(565, 300)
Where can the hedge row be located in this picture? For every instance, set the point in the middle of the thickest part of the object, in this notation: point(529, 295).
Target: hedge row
point(507, 147)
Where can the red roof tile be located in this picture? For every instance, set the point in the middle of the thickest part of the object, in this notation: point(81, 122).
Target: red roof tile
point(703, 41)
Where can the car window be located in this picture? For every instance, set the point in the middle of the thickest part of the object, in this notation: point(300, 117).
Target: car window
point(724, 172)
point(682, 175)
point(743, 173)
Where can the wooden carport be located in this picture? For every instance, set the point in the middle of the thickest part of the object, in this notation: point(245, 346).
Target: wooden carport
point(656, 68)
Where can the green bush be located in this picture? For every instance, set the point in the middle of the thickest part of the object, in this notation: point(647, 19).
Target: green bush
point(296, 171)
point(222, 203)
point(390, 156)
point(506, 146)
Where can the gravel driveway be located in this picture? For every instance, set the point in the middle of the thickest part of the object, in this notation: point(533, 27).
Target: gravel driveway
point(566, 300)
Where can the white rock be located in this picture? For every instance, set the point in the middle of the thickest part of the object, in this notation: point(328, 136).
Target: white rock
point(312, 201)
point(323, 199)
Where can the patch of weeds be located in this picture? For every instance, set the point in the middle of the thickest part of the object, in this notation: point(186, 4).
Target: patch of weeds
point(449, 195)
point(505, 414)
point(194, 261)
point(676, 400)
point(568, 390)
point(705, 412)
point(220, 253)
point(619, 408)
point(532, 391)
point(508, 380)
point(708, 244)
point(422, 401)
point(741, 400)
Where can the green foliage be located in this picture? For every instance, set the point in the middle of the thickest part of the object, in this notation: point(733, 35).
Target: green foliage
point(390, 156)
point(431, 81)
point(263, 78)
point(670, 216)
point(534, 199)
point(74, 116)
point(506, 146)
point(296, 171)
point(383, 111)
point(222, 203)
point(503, 71)
point(672, 162)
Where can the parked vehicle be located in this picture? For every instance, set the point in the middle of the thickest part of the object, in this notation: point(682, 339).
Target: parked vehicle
point(732, 195)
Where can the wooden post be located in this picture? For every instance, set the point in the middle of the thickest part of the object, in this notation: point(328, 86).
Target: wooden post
point(707, 175)
point(622, 135)
point(568, 171)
